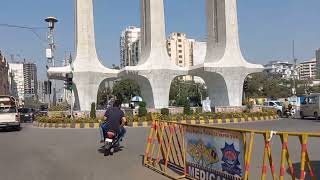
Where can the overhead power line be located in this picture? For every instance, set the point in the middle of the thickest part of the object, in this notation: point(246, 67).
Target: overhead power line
point(32, 29)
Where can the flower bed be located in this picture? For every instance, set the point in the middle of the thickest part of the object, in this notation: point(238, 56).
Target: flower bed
point(219, 115)
point(158, 116)
point(64, 120)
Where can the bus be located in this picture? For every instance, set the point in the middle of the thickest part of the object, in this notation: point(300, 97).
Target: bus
point(9, 117)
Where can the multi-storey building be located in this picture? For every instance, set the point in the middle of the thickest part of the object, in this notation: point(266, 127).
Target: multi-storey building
point(41, 93)
point(4, 83)
point(30, 79)
point(23, 79)
point(180, 50)
point(318, 63)
point(186, 52)
point(285, 69)
point(130, 46)
point(307, 69)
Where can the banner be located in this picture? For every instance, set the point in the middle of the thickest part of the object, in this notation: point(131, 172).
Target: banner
point(214, 154)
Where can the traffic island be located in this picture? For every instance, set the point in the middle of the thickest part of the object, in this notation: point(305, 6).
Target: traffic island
point(208, 119)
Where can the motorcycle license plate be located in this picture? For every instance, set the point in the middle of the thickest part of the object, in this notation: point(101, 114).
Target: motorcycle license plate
point(108, 140)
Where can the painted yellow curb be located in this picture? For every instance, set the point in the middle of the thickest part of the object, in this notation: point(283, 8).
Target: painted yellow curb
point(147, 124)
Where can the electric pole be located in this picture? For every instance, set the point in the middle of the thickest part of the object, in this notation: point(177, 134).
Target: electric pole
point(50, 52)
point(294, 69)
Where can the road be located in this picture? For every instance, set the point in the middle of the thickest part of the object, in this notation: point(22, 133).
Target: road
point(73, 154)
point(70, 154)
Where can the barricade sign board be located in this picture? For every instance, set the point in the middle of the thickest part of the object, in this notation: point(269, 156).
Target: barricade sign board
point(214, 154)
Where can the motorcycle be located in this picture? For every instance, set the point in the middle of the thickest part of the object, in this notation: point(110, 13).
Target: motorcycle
point(111, 143)
point(288, 113)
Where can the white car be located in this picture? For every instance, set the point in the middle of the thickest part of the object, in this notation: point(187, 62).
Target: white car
point(9, 117)
point(276, 104)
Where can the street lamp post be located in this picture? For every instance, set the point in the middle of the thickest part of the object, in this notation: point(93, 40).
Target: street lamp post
point(50, 51)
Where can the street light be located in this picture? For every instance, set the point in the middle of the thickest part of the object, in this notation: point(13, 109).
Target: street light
point(51, 21)
point(50, 51)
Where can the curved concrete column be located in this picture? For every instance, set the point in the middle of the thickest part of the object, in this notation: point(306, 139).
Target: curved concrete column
point(217, 89)
point(87, 88)
point(160, 84)
point(225, 90)
point(155, 87)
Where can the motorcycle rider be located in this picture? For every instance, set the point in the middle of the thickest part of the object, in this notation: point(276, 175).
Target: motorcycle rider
point(286, 107)
point(114, 120)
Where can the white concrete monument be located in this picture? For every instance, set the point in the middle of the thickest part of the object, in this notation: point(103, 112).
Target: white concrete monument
point(224, 69)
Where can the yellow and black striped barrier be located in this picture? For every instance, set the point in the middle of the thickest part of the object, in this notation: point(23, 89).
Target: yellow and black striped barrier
point(169, 152)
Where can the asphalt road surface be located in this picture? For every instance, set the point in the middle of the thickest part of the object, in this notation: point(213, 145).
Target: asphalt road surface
point(73, 154)
point(70, 154)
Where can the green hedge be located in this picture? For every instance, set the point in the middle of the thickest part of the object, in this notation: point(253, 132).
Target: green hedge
point(63, 120)
point(158, 116)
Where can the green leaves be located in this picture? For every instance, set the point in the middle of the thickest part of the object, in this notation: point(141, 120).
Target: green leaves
point(126, 89)
point(182, 92)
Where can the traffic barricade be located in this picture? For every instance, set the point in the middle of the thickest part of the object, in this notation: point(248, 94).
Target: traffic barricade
point(180, 150)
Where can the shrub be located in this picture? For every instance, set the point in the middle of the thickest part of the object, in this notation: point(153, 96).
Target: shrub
point(186, 109)
point(149, 116)
point(165, 111)
point(249, 106)
point(198, 110)
point(142, 104)
point(61, 107)
point(142, 111)
point(93, 111)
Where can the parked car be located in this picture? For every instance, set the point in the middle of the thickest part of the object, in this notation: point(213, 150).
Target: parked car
point(9, 113)
point(310, 107)
point(275, 104)
point(26, 114)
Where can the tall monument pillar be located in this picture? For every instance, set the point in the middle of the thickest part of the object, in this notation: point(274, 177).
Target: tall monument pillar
point(155, 71)
point(88, 71)
point(224, 69)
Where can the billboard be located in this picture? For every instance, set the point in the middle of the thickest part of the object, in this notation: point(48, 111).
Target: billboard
point(214, 154)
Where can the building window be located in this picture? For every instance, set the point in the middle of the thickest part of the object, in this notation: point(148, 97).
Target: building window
point(180, 62)
point(180, 51)
point(179, 40)
point(180, 56)
point(179, 45)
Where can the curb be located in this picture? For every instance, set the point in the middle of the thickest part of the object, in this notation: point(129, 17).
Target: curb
point(200, 121)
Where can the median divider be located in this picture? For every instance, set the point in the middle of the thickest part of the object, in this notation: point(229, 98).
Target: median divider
point(180, 150)
point(200, 120)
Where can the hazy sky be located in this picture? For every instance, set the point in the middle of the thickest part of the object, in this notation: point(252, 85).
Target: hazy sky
point(267, 28)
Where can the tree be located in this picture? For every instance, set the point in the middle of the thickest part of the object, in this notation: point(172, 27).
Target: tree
point(274, 86)
point(125, 89)
point(181, 91)
point(32, 103)
point(93, 111)
point(268, 85)
point(104, 94)
point(142, 111)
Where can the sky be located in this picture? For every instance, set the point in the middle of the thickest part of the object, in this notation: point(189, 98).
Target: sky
point(267, 28)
